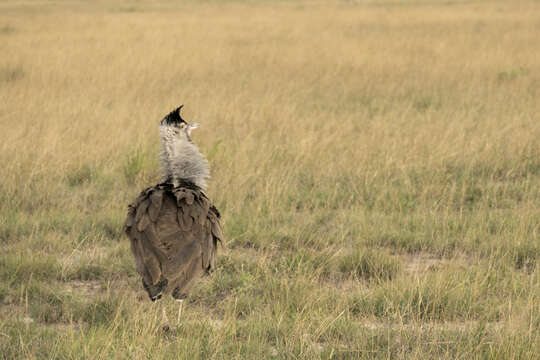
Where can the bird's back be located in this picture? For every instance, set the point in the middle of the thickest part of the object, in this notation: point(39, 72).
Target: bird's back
point(174, 233)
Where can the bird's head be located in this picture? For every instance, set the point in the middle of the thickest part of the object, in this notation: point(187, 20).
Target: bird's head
point(174, 122)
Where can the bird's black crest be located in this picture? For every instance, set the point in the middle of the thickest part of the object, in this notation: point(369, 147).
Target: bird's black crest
point(174, 117)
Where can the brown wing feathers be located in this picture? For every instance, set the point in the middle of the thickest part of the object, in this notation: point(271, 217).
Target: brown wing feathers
point(171, 231)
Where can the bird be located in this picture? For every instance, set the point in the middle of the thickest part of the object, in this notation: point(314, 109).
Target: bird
point(173, 227)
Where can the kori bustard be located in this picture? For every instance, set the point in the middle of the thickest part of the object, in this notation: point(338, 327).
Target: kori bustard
point(173, 227)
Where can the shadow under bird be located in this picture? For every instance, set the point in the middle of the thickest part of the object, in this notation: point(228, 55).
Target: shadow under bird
point(173, 227)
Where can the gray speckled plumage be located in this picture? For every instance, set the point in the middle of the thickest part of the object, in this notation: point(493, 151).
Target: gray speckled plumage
point(181, 159)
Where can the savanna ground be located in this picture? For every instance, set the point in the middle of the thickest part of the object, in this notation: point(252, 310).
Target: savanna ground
point(377, 165)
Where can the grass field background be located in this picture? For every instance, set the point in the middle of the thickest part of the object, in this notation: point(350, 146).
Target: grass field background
point(377, 165)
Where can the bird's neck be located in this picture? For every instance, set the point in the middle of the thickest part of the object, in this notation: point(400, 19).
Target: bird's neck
point(182, 161)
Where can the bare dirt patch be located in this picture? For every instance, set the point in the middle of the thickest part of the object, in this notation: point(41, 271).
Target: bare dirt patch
point(423, 262)
point(85, 288)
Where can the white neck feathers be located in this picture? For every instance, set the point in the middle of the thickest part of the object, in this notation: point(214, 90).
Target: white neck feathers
point(181, 159)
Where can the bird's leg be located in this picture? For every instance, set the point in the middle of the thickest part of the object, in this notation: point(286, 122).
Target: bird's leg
point(164, 319)
point(181, 301)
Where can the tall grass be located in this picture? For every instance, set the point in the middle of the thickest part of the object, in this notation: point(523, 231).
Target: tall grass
point(376, 164)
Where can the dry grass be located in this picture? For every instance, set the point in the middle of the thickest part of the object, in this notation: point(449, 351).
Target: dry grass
point(377, 164)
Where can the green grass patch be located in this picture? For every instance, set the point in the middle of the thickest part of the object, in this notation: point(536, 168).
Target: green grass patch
point(369, 264)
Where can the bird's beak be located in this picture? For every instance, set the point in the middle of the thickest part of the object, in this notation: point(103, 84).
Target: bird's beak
point(191, 126)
